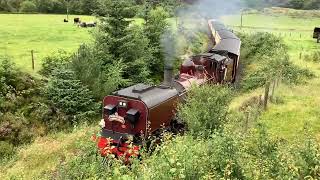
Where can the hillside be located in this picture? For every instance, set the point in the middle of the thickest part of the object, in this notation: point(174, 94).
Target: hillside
point(300, 103)
point(64, 154)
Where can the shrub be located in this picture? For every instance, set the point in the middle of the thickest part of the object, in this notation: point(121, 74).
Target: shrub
point(69, 95)
point(56, 61)
point(28, 6)
point(265, 58)
point(205, 108)
point(101, 79)
point(314, 56)
point(6, 149)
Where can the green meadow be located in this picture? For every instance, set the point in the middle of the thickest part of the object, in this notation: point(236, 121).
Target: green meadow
point(44, 34)
point(301, 104)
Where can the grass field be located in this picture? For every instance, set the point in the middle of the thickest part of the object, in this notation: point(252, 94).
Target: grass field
point(301, 105)
point(21, 33)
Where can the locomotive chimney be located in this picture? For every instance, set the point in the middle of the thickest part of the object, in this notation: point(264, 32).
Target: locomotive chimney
point(168, 76)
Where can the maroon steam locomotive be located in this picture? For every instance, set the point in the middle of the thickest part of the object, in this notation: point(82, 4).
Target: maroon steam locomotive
point(133, 113)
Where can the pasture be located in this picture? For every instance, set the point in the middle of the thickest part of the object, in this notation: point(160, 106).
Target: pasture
point(300, 107)
point(45, 34)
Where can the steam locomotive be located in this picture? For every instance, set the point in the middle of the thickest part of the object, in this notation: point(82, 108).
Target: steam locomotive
point(132, 114)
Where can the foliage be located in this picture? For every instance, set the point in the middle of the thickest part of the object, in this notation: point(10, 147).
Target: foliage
point(56, 61)
point(122, 52)
point(51, 6)
point(88, 66)
point(265, 58)
point(17, 91)
point(314, 56)
point(6, 149)
point(154, 28)
point(28, 6)
point(69, 95)
point(204, 114)
point(304, 4)
point(225, 155)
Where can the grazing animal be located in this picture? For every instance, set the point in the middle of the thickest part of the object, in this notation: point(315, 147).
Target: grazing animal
point(83, 24)
point(76, 20)
point(64, 20)
point(91, 24)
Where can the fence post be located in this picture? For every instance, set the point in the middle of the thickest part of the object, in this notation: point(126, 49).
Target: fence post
point(266, 95)
point(32, 59)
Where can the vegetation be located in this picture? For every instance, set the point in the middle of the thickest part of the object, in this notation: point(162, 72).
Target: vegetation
point(267, 59)
point(219, 144)
point(67, 93)
point(304, 4)
point(194, 112)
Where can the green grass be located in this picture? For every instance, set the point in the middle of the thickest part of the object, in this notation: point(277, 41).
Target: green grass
point(301, 105)
point(21, 33)
point(45, 154)
point(281, 22)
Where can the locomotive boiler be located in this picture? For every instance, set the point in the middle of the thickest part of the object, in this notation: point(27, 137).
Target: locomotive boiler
point(133, 113)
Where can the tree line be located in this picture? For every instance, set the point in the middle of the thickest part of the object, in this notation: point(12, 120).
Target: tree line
point(86, 7)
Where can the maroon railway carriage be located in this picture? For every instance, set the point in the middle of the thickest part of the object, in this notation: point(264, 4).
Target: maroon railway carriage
point(133, 113)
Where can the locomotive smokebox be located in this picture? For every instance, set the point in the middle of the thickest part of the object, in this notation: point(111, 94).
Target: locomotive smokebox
point(168, 76)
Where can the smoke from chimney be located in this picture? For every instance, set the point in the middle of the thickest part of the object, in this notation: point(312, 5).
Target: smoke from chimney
point(201, 10)
point(168, 43)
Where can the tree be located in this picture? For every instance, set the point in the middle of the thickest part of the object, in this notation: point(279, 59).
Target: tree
point(155, 26)
point(88, 6)
point(69, 95)
point(88, 65)
point(56, 61)
point(121, 42)
point(28, 6)
point(296, 4)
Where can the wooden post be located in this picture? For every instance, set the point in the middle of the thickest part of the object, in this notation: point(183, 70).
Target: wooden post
point(32, 59)
point(266, 95)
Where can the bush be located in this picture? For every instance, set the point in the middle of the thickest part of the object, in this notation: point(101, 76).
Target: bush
point(56, 61)
point(6, 149)
point(265, 58)
point(28, 6)
point(101, 79)
point(69, 95)
point(225, 155)
point(205, 109)
point(314, 56)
